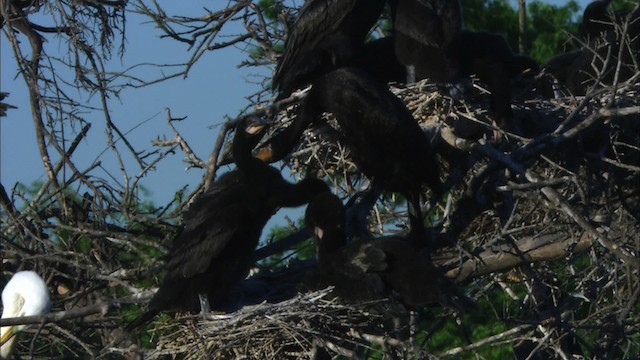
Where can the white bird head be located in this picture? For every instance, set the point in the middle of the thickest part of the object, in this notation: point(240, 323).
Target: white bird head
point(26, 294)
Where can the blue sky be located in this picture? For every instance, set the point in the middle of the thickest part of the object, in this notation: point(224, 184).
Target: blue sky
point(214, 89)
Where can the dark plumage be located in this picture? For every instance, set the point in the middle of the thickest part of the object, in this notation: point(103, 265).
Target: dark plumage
point(578, 70)
point(425, 33)
point(379, 60)
point(490, 57)
point(371, 269)
point(598, 19)
point(327, 34)
point(222, 228)
point(386, 142)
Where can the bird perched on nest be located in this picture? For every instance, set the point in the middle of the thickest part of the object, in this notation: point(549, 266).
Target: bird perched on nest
point(26, 294)
point(222, 229)
point(327, 34)
point(369, 269)
point(607, 57)
point(599, 19)
point(490, 57)
point(425, 31)
point(386, 142)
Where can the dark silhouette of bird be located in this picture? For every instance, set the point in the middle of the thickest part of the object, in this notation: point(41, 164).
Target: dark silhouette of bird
point(222, 229)
point(490, 57)
point(425, 33)
point(386, 142)
point(429, 38)
point(596, 64)
point(326, 35)
point(378, 59)
point(369, 269)
point(598, 19)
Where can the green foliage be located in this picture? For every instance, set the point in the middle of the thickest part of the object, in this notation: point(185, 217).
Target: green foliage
point(485, 322)
point(270, 8)
point(302, 251)
point(550, 27)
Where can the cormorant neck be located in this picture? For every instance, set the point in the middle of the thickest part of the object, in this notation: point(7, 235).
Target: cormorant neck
point(301, 193)
point(332, 240)
point(242, 145)
point(281, 144)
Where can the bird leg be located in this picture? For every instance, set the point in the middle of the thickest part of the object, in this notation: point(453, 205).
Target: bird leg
point(358, 208)
point(204, 304)
point(417, 234)
point(411, 74)
point(413, 322)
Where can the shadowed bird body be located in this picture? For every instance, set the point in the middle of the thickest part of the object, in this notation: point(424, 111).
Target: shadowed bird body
point(363, 270)
point(425, 33)
point(328, 34)
point(490, 57)
point(386, 142)
point(379, 60)
point(598, 19)
point(222, 229)
point(596, 64)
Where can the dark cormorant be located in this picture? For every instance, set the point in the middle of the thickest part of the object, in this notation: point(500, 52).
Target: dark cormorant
point(386, 142)
point(222, 228)
point(430, 37)
point(560, 67)
point(425, 33)
point(598, 19)
point(379, 60)
point(327, 34)
point(490, 57)
point(578, 70)
point(370, 269)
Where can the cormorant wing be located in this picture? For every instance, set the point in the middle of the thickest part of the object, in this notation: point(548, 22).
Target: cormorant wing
point(210, 223)
point(353, 272)
point(371, 259)
point(430, 22)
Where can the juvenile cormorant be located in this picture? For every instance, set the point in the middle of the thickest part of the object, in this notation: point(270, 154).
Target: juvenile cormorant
point(379, 60)
point(579, 70)
point(386, 142)
point(425, 33)
point(222, 228)
point(327, 34)
point(368, 269)
point(597, 19)
point(490, 57)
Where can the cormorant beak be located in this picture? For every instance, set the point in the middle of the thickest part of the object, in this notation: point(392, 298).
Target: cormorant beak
point(254, 128)
point(318, 231)
point(255, 125)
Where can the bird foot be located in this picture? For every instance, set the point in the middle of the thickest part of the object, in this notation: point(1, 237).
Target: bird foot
point(358, 208)
point(204, 304)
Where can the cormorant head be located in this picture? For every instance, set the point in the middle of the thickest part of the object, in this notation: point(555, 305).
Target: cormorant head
point(325, 217)
point(593, 18)
point(249, 131)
